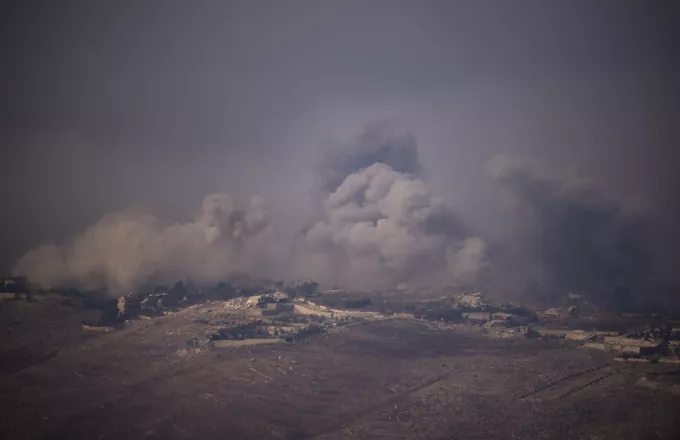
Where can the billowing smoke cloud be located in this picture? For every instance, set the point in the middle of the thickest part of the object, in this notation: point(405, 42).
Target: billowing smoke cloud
point(125, 249)
point(376, 223)
point(379, 224)
point(573, 237)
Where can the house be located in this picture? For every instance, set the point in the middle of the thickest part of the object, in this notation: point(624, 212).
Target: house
point(631, 346)
point(471, 301)
point(477, 317)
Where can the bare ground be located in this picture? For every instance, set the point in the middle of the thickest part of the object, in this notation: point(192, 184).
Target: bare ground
point(391, 379)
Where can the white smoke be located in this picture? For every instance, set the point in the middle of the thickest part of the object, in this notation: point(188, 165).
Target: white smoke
point(383, 227)
point(125, 249)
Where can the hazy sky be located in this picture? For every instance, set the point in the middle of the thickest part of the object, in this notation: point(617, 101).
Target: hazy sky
point(104, 105)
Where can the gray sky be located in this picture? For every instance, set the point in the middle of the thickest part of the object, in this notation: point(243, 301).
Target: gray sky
point(104, 105)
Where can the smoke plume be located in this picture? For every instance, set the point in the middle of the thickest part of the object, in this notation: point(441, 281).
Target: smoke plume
point(123, 250)
point(380, 226)
point(574, 237)
point(379, 142)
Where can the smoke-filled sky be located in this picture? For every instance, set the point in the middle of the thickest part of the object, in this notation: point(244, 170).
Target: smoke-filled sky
point(153, 106)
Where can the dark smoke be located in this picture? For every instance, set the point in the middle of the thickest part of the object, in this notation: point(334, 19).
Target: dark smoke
point(577, 238)
point(379, 142)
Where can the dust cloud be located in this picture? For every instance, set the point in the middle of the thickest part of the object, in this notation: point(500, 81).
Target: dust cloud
point(125, 249)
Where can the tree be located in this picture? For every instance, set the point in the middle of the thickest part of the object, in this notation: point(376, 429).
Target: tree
point(308, 288)
point(176, 294)
point(225, 291)
point(291, 292)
